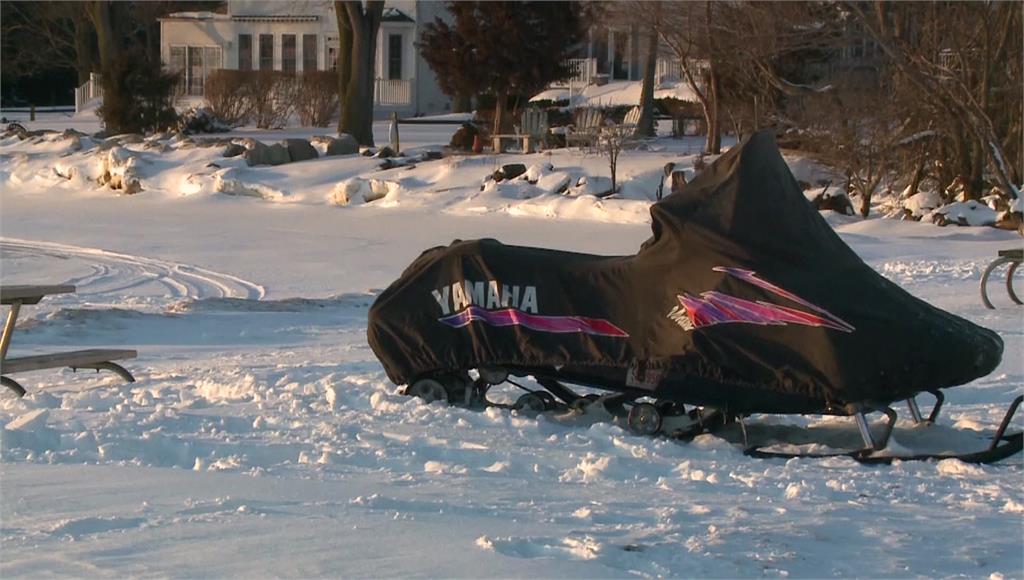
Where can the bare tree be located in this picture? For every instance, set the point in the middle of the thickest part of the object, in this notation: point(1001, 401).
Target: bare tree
point(965, 61)
point(357, 36)
point(611, 140)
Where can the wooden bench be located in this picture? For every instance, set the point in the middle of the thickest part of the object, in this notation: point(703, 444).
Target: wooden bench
point(533, 129)
point(1012, 257)
point(98, 359)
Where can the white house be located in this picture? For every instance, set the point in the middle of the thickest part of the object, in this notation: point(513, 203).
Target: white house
point(302, 35)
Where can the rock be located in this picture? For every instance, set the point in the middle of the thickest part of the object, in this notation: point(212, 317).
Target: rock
point(278, 154)
point(260, 154)
point(118, 171)
point(344, 144)
point(431, 156)
point(535, 172)
point(127, 138)
point(509, 171)
point(462, 140)
point(158, 146)
point(359, 190)
point(597, 186)
point(367, 151)
point(556, 182)
point(393, 163)
point(72, 134)
point(233, 150)
point(385, 152)
point(1010, 220)
point(299, 149)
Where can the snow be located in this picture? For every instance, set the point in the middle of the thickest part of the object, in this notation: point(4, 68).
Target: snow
point(263, 438)
point(971, 213)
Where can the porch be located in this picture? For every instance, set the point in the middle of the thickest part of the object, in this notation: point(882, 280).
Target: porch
point(585, 72)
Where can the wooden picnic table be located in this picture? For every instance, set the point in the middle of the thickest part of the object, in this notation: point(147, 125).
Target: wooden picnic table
point(100, 359)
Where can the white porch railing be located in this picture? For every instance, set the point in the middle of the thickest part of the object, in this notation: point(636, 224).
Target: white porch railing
point(392, 92)
point(668, 69)
point(90, 91)
point(583, 70)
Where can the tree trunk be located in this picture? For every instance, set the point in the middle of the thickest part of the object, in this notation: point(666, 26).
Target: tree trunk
point(645, 126)
point(85, 53)
point(712, 113)
point(500, 113)
point(915, 181)
point(344, 62)
point(357, 115)
point(99, 14)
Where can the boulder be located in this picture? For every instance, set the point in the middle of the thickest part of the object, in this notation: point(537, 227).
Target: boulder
point(278, 154)
point(385, 152)
point(118, 171)
point(596, 185)
point(233, 150)
point(260, 154)
point(509, 171)
point(344, 144)
point(299, 149)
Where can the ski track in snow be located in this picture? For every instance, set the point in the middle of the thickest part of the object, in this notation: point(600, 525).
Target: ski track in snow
point(114, 273)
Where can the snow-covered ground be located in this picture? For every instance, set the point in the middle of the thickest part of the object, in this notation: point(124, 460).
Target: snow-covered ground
point(263, 439)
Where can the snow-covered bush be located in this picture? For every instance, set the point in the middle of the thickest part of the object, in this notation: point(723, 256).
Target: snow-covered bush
point(201, 120)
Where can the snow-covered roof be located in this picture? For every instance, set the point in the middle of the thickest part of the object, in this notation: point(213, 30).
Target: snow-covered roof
point(395, 15)
point(616, 93)
point(194, 15)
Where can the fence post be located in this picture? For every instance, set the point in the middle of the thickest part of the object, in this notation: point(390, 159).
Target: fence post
point(32, 113)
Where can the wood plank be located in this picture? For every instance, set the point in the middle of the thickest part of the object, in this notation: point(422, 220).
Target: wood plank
point(1015, 254)
point(75, 358)
point(29, 294)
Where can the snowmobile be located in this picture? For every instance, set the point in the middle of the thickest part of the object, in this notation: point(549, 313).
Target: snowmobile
point(744, 301)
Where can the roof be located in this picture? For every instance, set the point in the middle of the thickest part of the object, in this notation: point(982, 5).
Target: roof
point(395, 15)
point(185, 16)
point(275, 17)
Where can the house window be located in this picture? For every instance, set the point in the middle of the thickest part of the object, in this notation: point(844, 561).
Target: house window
point(244, 52)
point(266, 52)
point(394, 56)
point(177, 66)
point(288, 53)
point(309, 56)
point(194, 65)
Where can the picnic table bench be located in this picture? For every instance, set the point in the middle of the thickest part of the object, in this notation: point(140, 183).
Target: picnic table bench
point(1012, 257)
point(99, 359)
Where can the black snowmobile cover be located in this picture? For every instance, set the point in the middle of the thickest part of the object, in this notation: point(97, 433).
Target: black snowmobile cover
point(744, 298)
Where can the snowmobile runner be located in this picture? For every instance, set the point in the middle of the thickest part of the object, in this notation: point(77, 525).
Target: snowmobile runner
point(744, 301)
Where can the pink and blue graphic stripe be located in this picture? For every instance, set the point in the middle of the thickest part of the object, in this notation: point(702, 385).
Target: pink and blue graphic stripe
point(712, 307)
point(540, 323)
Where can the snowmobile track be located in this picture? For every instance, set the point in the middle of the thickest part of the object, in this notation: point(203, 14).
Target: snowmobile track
point(114, 272)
